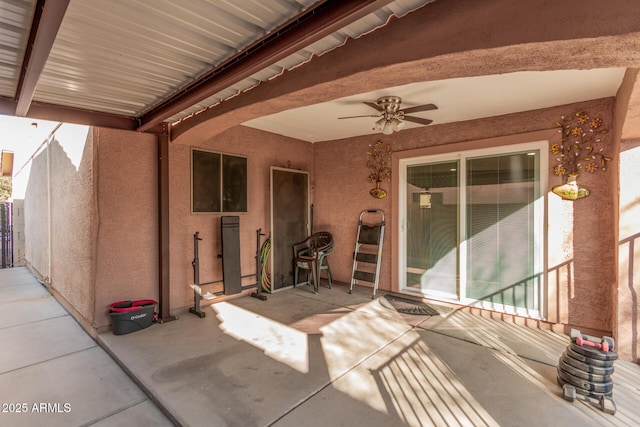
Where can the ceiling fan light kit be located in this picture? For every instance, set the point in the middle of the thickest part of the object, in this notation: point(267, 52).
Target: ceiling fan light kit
point(391, 118)
point(388, 126)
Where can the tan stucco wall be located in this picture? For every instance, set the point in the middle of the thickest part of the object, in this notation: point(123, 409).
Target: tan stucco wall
point(584, 263)
point(36, 217)
point(581, 242)
point(342, 193)
point(105, 213)
point(126, 219)
point(69, 271)
point(262, 150)
point(104, 220)
point(72, 195)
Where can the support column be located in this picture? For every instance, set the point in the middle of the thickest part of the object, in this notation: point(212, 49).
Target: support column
point(163, 230)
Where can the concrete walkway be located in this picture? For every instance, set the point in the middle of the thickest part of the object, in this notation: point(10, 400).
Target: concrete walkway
point(52, 373)
point(297, 359)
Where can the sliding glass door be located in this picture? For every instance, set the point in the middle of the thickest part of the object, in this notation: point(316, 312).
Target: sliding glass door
point(501, 235)
point(471, 228)
point(432, 228)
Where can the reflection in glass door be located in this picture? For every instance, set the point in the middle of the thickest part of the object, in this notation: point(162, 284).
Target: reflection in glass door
point(501, 194)
point(432, 229)
point(471, 227)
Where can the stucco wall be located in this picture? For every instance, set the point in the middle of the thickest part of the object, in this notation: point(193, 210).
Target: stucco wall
point(69, 271)
point(581, 241)
point(580, 250)
point(126, 219)
point(104, 219)
point(71, 230)
point(36, 217)
point(262, 150)
point(342, 192)
point(109, 238)
point(582, 269)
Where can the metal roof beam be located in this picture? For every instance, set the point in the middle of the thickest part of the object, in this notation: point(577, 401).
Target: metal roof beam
point(58, 113)
point(44, 28)
point(305, 29)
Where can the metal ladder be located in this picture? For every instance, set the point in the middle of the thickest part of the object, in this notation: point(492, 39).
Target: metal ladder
point(366, 259)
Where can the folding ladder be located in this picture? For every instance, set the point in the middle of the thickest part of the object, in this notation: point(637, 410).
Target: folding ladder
point(366, 259)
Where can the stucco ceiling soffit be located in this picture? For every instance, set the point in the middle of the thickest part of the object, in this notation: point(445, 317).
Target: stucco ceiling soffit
point(436, 52)
point(352, 70)
point(301, 31)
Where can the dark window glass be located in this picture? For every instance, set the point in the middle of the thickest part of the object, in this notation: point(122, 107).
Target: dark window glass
point(219, 182)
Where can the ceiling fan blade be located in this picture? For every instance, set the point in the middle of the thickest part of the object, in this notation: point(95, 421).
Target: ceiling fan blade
point(355, 117)
point(374, 106)
point(417, 120)
point(426, 107)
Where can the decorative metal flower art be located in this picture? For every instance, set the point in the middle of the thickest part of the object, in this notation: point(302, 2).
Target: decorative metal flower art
point(379, 167)
point(581, 146)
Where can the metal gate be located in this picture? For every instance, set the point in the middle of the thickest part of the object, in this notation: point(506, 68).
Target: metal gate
point(6, 235)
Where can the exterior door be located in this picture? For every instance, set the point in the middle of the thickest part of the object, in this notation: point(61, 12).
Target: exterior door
point(289, 221)
point(471, 227)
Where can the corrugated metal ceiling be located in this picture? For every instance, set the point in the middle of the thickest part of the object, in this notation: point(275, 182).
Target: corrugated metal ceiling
point(124, 57)
point(15, 19)
point(355, 30)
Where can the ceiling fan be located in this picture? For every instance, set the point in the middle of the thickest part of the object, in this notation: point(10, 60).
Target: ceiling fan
point(391, 117)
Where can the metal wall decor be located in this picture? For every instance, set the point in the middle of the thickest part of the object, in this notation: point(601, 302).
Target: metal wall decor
point(581, 148)
point(379, 164)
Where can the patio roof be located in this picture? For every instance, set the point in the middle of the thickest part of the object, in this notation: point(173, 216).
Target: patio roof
point(148, 65)
point(141, 65)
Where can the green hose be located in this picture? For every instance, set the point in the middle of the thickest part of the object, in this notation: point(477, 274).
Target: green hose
point(265, 253)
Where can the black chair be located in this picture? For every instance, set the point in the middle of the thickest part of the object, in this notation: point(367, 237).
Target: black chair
point(311, 254)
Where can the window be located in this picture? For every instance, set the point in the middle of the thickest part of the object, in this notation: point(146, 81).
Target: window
point(471, 227)
point(218, 182)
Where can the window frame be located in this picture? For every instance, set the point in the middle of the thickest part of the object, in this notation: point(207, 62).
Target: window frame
point(220, 181)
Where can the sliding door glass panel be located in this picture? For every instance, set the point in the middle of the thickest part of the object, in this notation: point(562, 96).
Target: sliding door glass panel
point(432, 229)
point(500, 230)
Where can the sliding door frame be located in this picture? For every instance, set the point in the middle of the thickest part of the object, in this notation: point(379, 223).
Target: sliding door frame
point(540, 211)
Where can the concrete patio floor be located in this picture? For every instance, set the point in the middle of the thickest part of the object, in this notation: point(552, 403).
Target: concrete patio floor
point(297, 359)
point(335, 359)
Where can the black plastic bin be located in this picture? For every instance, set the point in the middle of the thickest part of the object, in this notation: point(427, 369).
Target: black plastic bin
point(131, 316)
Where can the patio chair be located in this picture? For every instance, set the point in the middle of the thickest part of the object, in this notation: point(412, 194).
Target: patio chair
point(311, 255)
